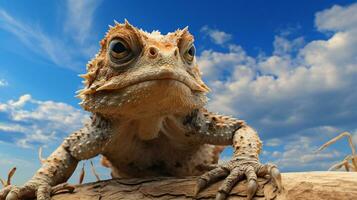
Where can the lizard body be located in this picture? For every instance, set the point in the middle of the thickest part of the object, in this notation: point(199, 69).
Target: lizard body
point(147, 100)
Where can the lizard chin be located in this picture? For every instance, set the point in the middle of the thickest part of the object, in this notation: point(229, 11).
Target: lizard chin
point(147, 98)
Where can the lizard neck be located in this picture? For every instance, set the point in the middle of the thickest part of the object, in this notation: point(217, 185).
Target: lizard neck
point(149, 127)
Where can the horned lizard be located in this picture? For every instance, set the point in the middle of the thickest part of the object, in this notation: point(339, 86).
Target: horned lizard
point(147, 100)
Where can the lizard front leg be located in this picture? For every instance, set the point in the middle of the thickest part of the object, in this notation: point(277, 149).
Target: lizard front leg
point(59, 166)
point(222, 130)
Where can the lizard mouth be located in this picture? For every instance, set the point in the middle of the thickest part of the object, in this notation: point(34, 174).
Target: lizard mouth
point(159, 79)
point(120, 82)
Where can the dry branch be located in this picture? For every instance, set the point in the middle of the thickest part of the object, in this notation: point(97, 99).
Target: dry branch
point(94, 172)
point(344, 162)
point(309, 185)
point(82, 174)
point(9, 177)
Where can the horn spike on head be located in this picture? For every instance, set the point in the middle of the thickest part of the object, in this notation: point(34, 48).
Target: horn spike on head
point(85, 76)
point(128, 25)
point(184, 30)
point(88, 75)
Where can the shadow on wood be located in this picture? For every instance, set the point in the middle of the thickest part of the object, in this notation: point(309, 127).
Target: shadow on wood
point(302, 186)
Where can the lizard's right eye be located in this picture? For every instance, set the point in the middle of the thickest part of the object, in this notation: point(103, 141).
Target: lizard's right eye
point(119, 49)
point(122, 51)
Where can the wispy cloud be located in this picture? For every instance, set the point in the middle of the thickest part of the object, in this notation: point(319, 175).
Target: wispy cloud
point(49, 48)
point(25, 166)
point(61, 52)
point(217, 36)
point(38, 122)
point(79, 18)
point(300, 155)
point(3, 83)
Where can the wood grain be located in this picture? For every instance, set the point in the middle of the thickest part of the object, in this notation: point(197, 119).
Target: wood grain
point(297, 186)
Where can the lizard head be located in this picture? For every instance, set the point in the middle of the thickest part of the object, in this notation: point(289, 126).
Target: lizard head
point(139, 73)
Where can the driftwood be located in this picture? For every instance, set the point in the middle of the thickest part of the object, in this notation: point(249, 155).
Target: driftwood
point(302, 186)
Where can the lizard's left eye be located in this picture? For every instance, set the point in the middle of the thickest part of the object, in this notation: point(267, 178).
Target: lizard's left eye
point(190, 54)
point(192, 51)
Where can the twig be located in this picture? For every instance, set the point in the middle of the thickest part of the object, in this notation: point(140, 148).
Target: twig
point(42, 160)
point(352, 157)
point(64, 187)
point(93, 171)
point(9, 177)
point(82, 174)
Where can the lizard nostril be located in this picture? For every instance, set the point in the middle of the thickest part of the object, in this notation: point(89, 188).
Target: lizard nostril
point(176, 52)
point(153, 52)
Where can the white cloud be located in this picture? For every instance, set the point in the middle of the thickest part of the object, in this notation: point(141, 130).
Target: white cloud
point(273, 142)
point(20, 102)
point(285, 93)
point(217, 36)
point(337, 18)
point(298, 152)
point(300, 155)
point(283, 46)
point(303, 88)
point(3, 83)
point(39, 121)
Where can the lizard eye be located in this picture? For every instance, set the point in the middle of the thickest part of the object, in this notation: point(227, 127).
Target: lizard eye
point(192, 51)
point(120, 53)
point(190, 54)
point(118, 49)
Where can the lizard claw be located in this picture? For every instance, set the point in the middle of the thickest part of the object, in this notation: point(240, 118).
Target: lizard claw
point(276, 177)
point(5, 191)
point(200, 185)
point(251, 189)
point(12, 196)
point(236, 170)
point(43, 191)
point(16, 193)
point(221, 196)
point(63, 187)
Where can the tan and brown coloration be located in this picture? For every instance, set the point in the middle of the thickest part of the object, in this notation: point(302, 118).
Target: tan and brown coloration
point(147, 98)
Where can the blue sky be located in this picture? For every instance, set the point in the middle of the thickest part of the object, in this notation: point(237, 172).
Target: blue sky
point(288, 68)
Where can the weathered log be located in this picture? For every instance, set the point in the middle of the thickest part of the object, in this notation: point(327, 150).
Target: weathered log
point(297, 186)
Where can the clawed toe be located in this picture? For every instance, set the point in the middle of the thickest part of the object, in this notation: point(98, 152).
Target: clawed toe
point(236, 170)
point(14, 193)
point(221, 196)
point(12, 196)
point(276, 177)
point(200, 185)
point(5, 191)
point(64, 187)
point(251, 189)
point(29, 191)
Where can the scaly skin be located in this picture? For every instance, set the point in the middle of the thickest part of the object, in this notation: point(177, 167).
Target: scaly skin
point(147, 100)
